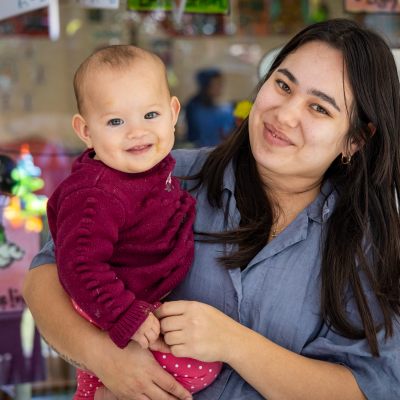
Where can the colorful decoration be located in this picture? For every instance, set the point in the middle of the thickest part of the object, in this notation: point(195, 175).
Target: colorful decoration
point(372, 6)
point(191, 6)
point(25, 207)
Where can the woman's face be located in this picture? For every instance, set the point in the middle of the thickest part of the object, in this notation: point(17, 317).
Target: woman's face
point(299, 120)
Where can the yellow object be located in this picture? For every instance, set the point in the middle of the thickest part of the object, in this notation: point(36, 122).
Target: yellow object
point(17, 218)
point(34, 224)
point(242, 109)
point(73, 26)
point(13, 212)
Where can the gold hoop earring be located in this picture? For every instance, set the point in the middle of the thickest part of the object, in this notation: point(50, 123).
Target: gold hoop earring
point(347, 159)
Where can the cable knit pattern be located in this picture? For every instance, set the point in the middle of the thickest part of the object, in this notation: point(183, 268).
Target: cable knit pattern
point(122, 240)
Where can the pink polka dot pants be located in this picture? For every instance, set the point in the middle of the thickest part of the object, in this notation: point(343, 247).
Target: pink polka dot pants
point(193, 375)
point(87, 384)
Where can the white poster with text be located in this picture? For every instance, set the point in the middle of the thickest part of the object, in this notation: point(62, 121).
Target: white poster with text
point(11, 8)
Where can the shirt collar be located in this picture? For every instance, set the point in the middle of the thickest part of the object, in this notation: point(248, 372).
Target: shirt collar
point(322, 206)
point(319, 210)
point(229, 180)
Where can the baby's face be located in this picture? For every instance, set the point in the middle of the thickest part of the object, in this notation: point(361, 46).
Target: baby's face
point(130, 117)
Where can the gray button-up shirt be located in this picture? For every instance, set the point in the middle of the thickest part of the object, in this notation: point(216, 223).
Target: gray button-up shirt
point(278, 294)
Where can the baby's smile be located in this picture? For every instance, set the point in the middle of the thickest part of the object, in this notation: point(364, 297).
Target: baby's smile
point(138, 150)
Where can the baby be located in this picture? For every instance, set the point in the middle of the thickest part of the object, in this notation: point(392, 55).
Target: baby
point(121, 225)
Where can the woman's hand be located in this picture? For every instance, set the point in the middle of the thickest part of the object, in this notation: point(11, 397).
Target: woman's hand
point(134, 374)
point(197, 330)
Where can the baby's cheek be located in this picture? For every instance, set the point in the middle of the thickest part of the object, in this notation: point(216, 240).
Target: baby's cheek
point(164, 146)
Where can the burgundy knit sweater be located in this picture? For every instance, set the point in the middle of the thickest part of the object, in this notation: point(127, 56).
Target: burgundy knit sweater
point(122, 240)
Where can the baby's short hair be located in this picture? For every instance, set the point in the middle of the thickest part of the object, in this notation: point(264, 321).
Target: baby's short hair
point(115, 58)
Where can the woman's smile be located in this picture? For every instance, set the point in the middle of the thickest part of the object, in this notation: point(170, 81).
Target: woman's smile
point(275, 137)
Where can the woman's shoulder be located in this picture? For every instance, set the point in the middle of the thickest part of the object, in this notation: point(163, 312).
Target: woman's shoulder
point(189, 161)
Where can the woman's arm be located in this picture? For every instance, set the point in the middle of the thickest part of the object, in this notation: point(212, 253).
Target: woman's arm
point(200, 331)
point(131, 373)
point(278, 373)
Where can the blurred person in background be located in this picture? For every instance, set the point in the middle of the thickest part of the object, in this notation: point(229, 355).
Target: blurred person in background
point(208, 122)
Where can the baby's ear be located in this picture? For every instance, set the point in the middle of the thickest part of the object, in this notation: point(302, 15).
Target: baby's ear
point(82, 130)
point(175, 108)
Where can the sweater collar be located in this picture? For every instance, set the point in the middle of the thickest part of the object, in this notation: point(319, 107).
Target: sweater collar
point(87, 157)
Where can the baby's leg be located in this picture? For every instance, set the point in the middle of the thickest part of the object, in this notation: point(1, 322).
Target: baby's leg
point(193, 375)
point(87, 382)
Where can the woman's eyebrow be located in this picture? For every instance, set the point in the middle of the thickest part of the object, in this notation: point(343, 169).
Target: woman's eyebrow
point(288, 74)
point(313, 92)
point(325, 97)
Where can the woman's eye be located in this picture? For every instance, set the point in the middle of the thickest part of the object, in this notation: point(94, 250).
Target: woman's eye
point(319, 109)
point(150, 115)
point(116, 121)
point(283, 86)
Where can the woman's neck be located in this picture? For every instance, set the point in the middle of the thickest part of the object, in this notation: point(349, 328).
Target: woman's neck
point(290, 196)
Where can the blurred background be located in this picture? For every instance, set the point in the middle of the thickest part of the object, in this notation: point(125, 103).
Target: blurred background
point(214, 51)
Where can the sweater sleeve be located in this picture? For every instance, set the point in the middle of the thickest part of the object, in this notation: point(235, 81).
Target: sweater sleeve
point(87, 225)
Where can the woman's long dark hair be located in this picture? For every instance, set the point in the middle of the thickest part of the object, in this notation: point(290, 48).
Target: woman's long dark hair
point(366, 212)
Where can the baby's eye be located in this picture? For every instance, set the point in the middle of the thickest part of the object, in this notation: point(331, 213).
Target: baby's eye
point(115, 121)
point(150, 115)
point(319, 109)
point(283, 86)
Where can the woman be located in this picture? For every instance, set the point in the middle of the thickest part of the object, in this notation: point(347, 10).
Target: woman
point(299, 205)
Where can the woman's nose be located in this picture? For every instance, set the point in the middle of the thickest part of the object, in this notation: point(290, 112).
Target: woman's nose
point(288, 113)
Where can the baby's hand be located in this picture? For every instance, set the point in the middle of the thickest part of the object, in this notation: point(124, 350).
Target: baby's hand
point(148, 332)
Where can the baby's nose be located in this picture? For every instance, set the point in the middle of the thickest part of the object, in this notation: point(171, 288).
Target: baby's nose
point(136, 131)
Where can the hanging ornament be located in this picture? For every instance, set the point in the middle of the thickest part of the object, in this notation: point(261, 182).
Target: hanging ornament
point(26, 207)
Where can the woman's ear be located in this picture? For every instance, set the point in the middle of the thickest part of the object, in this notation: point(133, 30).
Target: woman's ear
point(82, 130)
point(372, 129)
point(175, 108)
point(355, 147)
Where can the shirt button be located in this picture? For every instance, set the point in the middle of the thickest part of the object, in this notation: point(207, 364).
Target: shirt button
point(236, 296)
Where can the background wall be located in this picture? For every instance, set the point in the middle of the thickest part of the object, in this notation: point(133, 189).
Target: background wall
point(36, 95)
